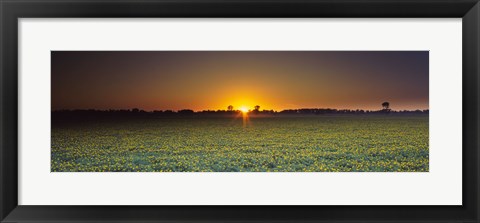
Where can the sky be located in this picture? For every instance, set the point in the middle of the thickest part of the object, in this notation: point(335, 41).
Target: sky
point(212, 80)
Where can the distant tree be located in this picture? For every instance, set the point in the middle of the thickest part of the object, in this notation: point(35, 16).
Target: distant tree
point(135, 110)
point(230, 108)
point(257, 108)
point(386, 105)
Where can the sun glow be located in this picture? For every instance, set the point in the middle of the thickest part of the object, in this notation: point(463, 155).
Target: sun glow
point(243, 109)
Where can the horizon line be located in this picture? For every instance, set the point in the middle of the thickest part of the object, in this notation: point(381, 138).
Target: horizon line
point(234, 110)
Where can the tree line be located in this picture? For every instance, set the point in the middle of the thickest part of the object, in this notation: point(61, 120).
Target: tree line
point(228, 112)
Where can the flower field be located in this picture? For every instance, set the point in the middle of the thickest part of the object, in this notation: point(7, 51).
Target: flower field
point(371, 143)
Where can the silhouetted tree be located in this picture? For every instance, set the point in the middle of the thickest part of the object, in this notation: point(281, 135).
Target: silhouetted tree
point(385, 105)
point(230, 108)
point(257, 108)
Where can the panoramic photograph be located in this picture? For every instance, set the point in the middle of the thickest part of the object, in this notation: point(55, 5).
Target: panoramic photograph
point(239, 111)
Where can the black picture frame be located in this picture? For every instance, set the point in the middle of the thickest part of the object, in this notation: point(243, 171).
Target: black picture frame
point(12, 10)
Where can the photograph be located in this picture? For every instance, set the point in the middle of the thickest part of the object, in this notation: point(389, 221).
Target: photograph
point(239, 111)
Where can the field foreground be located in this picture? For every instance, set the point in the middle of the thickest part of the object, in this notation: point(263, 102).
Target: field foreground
point(383, 143)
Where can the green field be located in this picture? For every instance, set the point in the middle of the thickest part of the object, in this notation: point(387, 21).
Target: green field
point(373, 143)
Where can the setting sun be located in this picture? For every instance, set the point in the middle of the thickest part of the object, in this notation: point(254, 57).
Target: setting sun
point(244, 109)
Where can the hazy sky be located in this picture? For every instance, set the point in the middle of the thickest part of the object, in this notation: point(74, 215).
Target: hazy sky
point(201, 80)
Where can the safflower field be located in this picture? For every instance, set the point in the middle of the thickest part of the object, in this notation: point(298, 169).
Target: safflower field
point(267, 144)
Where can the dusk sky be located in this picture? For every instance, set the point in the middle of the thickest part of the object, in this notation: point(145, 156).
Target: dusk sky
point(202, 80)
